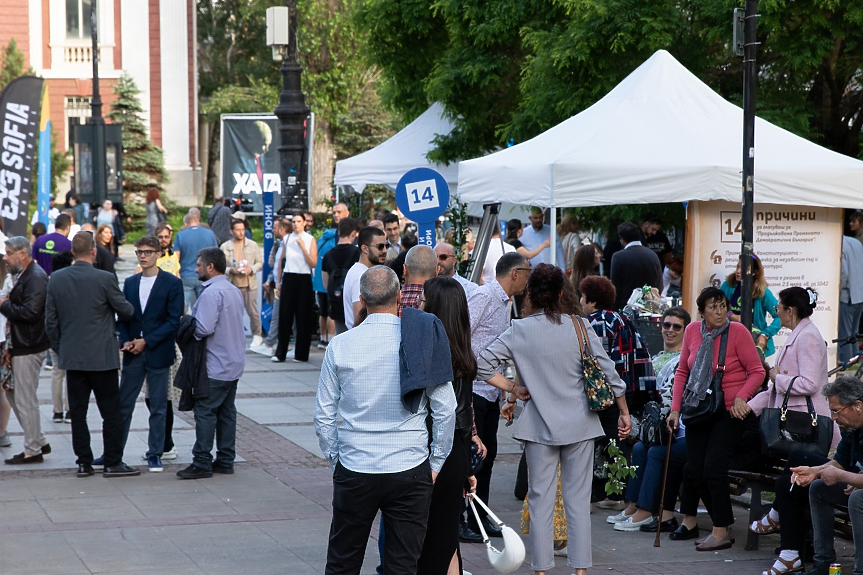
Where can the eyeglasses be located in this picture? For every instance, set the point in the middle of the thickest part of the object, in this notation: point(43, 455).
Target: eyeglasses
point(145, 253)
point(380, 247)
point(835, 412)
point(522, 269)
point(672, 326)
point(779, 307)
point(444, 257)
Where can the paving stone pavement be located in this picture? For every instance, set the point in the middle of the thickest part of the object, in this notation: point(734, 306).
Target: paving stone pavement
point(271, 516)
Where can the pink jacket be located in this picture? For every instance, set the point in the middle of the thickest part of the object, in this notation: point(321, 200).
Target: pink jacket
point(805, 355)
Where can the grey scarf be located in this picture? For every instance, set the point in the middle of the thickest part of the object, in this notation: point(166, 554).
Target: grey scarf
point(701, 373)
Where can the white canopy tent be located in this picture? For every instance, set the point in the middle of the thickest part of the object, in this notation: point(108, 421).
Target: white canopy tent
point(388, 162)
point(661, 135)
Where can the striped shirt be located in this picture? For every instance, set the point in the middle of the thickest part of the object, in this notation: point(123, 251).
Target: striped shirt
point(489, 317)
point(359, 417)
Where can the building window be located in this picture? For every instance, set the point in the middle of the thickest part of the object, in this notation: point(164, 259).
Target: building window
point(78, 20)
point(77, 112)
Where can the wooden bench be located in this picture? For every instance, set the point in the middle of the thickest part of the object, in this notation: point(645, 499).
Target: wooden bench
point(757, 483)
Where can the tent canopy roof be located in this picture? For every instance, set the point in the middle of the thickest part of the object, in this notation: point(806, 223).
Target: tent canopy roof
point(661, 135)
point(388, 162)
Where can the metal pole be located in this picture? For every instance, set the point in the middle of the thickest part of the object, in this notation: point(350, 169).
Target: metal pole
point(292, 112)
point(748, 208)
point(96, 120)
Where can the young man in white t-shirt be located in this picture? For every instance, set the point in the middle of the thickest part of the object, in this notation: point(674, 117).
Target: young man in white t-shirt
point(373, 252)
point(147, 342)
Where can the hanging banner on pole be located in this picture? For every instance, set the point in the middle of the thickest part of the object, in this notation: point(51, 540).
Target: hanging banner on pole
point(19, 126)
point(422, 195)
point(43, 193)
point(266, 306)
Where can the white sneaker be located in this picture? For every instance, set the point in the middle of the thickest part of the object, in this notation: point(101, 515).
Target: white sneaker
point(563, 552)
point(167, 455)
point(630, 525)
point(275, 359)
point(612, 519)
point(256, 341)
point(262, 350)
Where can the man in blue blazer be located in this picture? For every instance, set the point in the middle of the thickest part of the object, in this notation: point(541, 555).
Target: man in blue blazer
point(147, 341)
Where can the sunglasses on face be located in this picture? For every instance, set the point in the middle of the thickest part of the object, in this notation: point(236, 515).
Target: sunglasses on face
point(444, 257)
point(672, 326)
point(380, 247)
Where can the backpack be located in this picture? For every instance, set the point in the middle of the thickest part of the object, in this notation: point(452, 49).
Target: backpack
point(336, 285)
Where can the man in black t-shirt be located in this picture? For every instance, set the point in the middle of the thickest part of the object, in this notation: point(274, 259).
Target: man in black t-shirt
point(654, 239)
point(335, 266)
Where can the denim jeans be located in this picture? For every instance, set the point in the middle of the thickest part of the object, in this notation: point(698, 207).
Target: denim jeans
point(822, 498)
point(131, 381)
point(191, 291)
point(849, 324)
point(216, 415)
point(646, 487)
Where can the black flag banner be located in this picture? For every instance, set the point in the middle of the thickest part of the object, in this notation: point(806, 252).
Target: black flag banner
point(20, 105)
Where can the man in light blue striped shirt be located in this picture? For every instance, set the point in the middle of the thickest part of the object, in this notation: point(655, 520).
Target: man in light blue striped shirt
point(378, 450)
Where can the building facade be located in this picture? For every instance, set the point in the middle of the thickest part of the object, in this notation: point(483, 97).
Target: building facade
point(154, 41)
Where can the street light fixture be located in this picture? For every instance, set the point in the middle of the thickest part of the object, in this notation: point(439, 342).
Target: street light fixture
point(292, 110)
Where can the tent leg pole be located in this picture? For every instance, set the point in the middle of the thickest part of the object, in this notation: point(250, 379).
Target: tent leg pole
point(553, 236)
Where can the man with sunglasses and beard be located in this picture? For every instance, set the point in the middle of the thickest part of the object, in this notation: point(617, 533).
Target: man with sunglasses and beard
point(446, 266)
point(373, 251)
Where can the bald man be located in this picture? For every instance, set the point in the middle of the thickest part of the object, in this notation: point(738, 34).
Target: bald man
point(446, 266)
point(420, 265)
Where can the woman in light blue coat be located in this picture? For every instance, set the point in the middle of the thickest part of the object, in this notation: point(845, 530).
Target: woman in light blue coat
point(556, 424)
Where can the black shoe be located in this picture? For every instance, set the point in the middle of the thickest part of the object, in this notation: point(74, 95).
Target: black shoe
point(222, 469)
point(21, 459)
point(668, 526)
point(491, 529)
point(683, 534)
point(120, 470)
point(194, 472)
point(58, 417)
point(468, 535)
point(85, 470)
point(46, 449)
point(817, 569)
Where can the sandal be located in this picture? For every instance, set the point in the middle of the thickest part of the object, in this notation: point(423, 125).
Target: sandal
point(781, 566)
point(765, 527)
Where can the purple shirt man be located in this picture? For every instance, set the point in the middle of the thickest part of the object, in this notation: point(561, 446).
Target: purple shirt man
point(49, 245)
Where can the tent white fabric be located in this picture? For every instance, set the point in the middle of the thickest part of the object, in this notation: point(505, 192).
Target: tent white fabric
point(661, 135)
point(388, 162)
point(407, 150)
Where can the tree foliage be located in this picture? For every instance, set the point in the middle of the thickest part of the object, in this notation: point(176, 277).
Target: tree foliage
point(143, 162)
point(510, 70)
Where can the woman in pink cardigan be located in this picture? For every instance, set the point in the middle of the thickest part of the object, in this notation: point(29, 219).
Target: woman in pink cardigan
point(711, 443)
point(804, 360)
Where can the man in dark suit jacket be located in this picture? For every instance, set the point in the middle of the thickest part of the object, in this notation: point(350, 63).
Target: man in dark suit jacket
point(634, 266)
point(147, 341)
point(79, 319)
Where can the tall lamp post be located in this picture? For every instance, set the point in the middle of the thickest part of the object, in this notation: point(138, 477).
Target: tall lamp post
point(292, 110)
point(96, 120)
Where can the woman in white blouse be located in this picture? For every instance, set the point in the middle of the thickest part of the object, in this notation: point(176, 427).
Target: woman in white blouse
point(299, 254)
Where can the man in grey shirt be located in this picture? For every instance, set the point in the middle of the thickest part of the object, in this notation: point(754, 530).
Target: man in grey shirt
point(218, 313)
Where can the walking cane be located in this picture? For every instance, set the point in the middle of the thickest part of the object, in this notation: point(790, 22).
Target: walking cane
point(664, 481)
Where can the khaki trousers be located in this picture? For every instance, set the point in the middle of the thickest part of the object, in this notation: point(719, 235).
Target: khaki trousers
point(25, 404)
point(250, 301)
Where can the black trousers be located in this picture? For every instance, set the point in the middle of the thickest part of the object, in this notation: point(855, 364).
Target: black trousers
point(486, 416)
point(169, 425)
point(105, 385)
point(710, 446)
point(297, 303)
point(403, 499)
point(441, 539)
point(792, 504)
point(608, 419)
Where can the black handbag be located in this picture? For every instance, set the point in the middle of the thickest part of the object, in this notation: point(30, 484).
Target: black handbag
point(654, 430)
point(714, 399)
point(784, 431)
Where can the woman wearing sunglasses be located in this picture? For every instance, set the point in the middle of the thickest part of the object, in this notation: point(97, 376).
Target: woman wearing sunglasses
point(802, 359)
point(643, 491)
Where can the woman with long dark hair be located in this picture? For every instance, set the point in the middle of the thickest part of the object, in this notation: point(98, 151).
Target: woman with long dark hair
point(584, 265)
point(444, 297)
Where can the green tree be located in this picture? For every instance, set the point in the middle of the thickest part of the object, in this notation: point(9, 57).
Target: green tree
point(508, 70)
point(143, 162)
point(11, 67)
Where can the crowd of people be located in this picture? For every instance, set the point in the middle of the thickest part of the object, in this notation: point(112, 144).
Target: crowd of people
point(403, 413)
point(421, 364)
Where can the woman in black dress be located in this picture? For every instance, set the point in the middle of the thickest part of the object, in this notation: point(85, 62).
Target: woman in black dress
point(444, 297)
